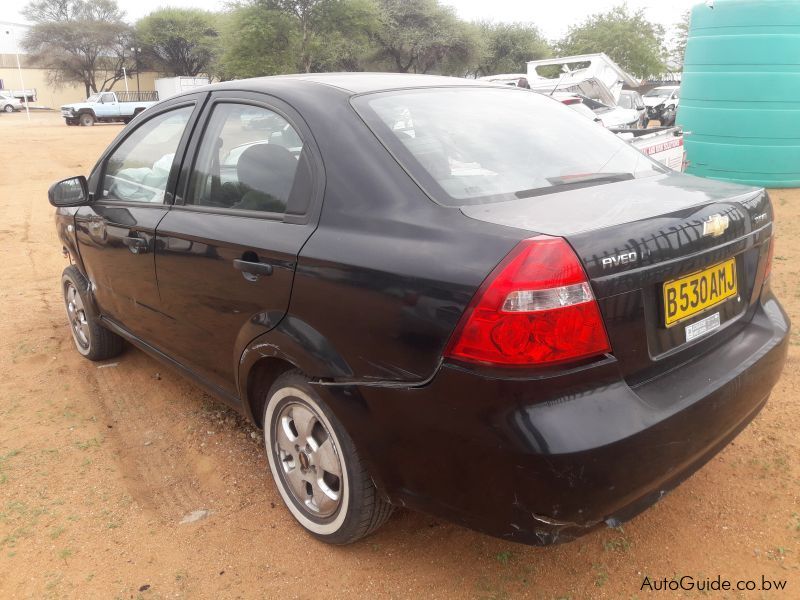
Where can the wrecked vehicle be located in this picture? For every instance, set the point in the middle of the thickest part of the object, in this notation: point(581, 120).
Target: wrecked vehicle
point(662, 103)
point(631, 99)
point(594, 76)
point(522, 325)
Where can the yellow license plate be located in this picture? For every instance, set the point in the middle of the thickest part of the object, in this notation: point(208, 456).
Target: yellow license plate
point(687, 296)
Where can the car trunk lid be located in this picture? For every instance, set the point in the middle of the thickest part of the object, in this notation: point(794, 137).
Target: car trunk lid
point(634, 236)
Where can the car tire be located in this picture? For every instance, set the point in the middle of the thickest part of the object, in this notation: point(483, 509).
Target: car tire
point(316, 467)
point(92, 340)
point(8, 108)
point(86, 119)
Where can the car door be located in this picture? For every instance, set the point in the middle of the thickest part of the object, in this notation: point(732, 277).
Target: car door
point(108, 106)
point(131, 190)
point(226, 253)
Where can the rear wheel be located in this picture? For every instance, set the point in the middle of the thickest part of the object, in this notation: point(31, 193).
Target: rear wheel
point(86, 120)
point(92, 340)
point(316, 467)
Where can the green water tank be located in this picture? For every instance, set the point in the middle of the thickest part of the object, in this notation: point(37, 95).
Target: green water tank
point(740, 92)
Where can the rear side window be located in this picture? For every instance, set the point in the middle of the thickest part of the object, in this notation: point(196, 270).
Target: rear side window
point(138, 169)
point(249, 159)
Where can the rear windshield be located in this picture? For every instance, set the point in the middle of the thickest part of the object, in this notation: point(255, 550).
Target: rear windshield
point(469, 146)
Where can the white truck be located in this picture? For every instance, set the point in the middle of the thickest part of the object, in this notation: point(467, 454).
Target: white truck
point(108, 107)
point(664, 144)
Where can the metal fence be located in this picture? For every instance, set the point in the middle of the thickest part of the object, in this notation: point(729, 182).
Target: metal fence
point(137, 96)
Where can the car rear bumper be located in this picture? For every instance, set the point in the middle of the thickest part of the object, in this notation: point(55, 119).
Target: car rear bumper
point(547, 459)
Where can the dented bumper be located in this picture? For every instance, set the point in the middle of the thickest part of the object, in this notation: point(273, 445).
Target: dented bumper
point(543, 460)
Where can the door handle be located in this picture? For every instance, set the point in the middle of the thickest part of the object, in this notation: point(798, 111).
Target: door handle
point(135, 244)
point(252, 268)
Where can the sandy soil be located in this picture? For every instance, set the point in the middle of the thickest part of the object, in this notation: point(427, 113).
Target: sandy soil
point(100, 463)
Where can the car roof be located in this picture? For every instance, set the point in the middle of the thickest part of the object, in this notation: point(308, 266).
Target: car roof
point(355, 83)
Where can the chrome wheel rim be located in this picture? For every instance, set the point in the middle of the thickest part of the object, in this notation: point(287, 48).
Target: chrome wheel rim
point(308, 460)
point(76, 313)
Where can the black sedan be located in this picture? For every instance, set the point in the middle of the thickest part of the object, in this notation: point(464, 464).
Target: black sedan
point(431, 293)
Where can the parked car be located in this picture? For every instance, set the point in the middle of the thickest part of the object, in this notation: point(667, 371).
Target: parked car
point(662, 103)
point(613, 116)
point(108, 107)
point(456, 297)
point(632, 100)
point(9, 102)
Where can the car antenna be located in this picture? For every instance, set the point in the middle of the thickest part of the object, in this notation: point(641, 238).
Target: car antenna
point(564, 71)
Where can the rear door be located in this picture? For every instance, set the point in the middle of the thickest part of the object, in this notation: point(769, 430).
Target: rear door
point(132, 187)
point(226, 253)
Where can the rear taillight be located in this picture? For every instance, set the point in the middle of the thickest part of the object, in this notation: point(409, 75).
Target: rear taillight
point(536, 308)
point(770, 255)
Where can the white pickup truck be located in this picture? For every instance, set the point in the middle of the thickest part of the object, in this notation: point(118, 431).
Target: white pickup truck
point(664, 144)
point(108, 107)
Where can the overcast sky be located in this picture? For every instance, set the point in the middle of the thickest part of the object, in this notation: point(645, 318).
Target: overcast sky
point(553, 17)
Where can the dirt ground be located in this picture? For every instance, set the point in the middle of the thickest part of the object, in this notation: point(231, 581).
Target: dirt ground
point(99, 464)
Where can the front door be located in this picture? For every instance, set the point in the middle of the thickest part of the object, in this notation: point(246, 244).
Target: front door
point(116, 231)
point(227, 251)
point(108, 106)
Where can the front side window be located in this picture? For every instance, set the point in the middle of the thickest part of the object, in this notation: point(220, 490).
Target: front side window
point(474, 146)
point(108, 97)
point(249, 159)
point(138, 169)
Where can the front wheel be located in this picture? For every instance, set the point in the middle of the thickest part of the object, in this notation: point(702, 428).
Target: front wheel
point(86, 120)
point(92, 340)
point(316, 467)
point(8, 108)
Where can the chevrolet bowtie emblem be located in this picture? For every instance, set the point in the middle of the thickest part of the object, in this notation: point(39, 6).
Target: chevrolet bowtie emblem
point(715, 225)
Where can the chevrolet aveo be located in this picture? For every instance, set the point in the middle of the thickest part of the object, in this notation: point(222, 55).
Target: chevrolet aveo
point(432, 293)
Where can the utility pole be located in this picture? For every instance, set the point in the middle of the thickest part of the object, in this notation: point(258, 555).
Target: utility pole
point(136, 50)
point(19, 70)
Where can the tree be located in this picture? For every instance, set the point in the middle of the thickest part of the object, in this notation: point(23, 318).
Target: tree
point(421, 35)
point(268, 37)
point(507, 48)
point(630, 40)
point(681, 37)
point(326, 25)
point(179, 41)
point(83, 41)
point(256, 41)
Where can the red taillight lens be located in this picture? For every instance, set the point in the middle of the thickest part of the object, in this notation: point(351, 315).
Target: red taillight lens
point(770, 255)
point(569, 101)
point(535, 308)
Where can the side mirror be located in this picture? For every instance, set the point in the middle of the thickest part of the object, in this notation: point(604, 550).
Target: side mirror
point(69, 192)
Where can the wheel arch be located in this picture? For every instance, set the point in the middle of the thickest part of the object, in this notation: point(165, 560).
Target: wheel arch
point(292, 344)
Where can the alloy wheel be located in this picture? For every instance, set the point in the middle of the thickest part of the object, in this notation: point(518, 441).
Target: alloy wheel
point(76, 313)
point(308, 460)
